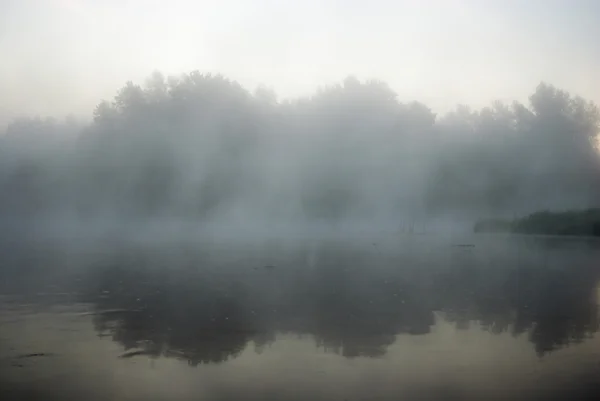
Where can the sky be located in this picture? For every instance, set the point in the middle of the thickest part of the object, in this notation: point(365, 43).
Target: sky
point(62, 57)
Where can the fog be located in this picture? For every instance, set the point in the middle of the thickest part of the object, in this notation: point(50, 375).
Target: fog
point(200, 153)
point(61, 56)
point(365, 129)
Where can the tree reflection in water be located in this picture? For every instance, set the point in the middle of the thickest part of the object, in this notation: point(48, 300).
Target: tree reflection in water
point(206, 306)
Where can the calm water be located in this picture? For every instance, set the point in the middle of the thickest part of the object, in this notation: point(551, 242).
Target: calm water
point(395, 318)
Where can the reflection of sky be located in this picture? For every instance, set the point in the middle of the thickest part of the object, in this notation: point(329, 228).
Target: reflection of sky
point(62, 56)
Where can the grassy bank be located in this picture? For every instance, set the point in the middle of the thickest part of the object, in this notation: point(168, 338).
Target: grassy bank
point(572, 223)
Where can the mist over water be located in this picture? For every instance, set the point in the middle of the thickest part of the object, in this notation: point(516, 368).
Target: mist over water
point(200, 241)
point(199, 153)
point(203, 237)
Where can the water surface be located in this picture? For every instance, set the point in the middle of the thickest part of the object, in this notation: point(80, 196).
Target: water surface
point(397, 317)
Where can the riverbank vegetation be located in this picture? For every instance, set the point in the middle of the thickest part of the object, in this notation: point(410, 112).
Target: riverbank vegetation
point(569, 223)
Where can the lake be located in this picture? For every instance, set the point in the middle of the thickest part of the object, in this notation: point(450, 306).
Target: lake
point(387, 318)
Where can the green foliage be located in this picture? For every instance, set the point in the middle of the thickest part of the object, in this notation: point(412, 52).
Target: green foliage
point(584, 223)
point(568, 223)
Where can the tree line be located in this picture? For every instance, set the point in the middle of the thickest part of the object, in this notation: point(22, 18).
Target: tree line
point(201, 146)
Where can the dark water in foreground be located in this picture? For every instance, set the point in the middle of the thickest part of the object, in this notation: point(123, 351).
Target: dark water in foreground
point(388, 319)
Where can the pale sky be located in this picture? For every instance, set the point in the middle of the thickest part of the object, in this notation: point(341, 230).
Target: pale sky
point(63, 56)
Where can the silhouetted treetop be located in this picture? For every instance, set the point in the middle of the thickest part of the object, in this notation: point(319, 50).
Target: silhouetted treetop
point(200, 145)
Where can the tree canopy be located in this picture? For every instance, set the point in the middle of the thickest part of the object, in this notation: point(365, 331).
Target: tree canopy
point(201, 146)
